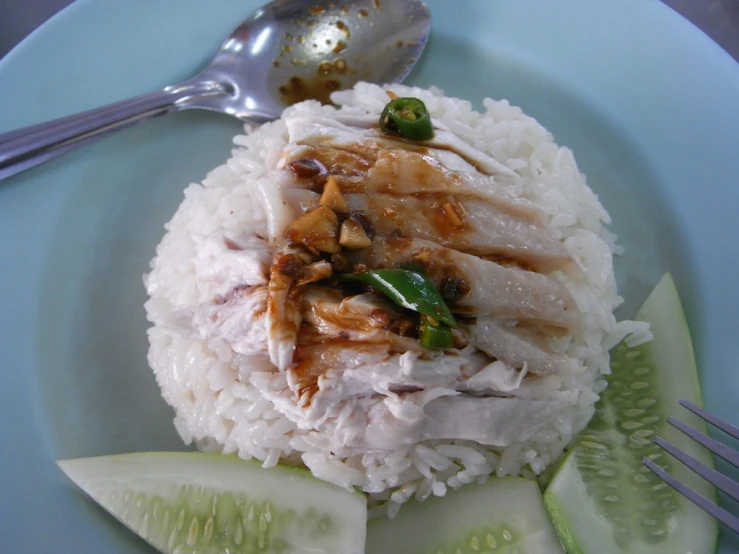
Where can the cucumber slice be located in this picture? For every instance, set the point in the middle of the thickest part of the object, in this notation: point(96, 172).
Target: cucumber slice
point(603, 500)
point(191, 502)
point(502, 516)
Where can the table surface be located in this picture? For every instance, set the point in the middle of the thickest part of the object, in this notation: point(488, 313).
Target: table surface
point(719, 19)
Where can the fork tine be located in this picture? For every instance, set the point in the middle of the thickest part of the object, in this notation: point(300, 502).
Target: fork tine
point(712, 419)
point(728, 454)
point(729, 486)
point(732, 522)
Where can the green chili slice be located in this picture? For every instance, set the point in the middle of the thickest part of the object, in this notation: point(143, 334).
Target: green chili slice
point(407, 117)
point(434, 334)
point(408, 289)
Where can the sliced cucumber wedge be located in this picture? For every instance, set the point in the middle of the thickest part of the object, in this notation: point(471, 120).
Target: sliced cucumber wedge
point(603, 500)
point(502, 516)
point(190, 502)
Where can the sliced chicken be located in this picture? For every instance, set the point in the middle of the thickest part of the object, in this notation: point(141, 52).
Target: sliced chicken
point(283, 306)
point(349, 197)
point(300, 201)
point(519, 347)
point(405, 171)
point(469, 225)
point(496, 379)
point(317, 130)
point(339, 334)
point(319, 363)
point(440, 413)
point(410, 371)
point(484, 287)
point(279, 214)
point(363, 317)
point(400, 172)
point(491, 421)
point(350, 165)
point(226, 262)
point(237, 319)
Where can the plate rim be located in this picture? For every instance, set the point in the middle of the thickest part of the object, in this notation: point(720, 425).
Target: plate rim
point(721, 58)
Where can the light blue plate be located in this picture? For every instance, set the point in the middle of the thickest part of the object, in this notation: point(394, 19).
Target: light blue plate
point(648, 103)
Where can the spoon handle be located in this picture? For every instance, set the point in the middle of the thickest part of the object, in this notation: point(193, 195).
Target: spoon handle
point(27, 147)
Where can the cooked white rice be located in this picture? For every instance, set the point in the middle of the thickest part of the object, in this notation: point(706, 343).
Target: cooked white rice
point(219, 402)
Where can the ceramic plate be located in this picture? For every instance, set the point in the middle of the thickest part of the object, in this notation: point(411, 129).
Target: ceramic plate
point(646, 101)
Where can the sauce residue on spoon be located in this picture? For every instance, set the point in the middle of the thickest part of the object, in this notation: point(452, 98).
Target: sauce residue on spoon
point(318, 87)
point(344, 27)
point(301, 86)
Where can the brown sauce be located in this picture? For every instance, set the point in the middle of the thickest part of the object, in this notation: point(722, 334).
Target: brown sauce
point(231, 245)
point(312, 359)
point(424, 147)
point(437, 265)
point(507, 261)
point(433, 216)
point(453, 289)
point(306, 167)
point(387, 177)
point(445, 274)
point(309, 239)
point(344, 28)
point(427, 172)
point(361, 218)
point(287, 264)
point(377, 179)
point(298, 89)
point(447, 216)
point(283, 327)
point(365, 149)
point(469, 160)
point(339, 162)
point(338, 66)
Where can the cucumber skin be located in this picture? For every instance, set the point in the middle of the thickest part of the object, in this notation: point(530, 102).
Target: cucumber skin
point(500, 503)
point(566, 535)
point(134, 487)
point(664, 310)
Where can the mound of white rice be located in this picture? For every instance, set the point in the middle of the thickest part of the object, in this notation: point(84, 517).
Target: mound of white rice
point(218, 399)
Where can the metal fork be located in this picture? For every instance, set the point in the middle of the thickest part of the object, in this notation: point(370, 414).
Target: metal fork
point(717, 479)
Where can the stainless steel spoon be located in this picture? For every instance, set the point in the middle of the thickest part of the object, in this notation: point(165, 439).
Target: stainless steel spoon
point(286, 51)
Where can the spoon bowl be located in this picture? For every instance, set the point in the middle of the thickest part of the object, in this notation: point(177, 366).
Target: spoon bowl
point(284, 52)
point(289, 50)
